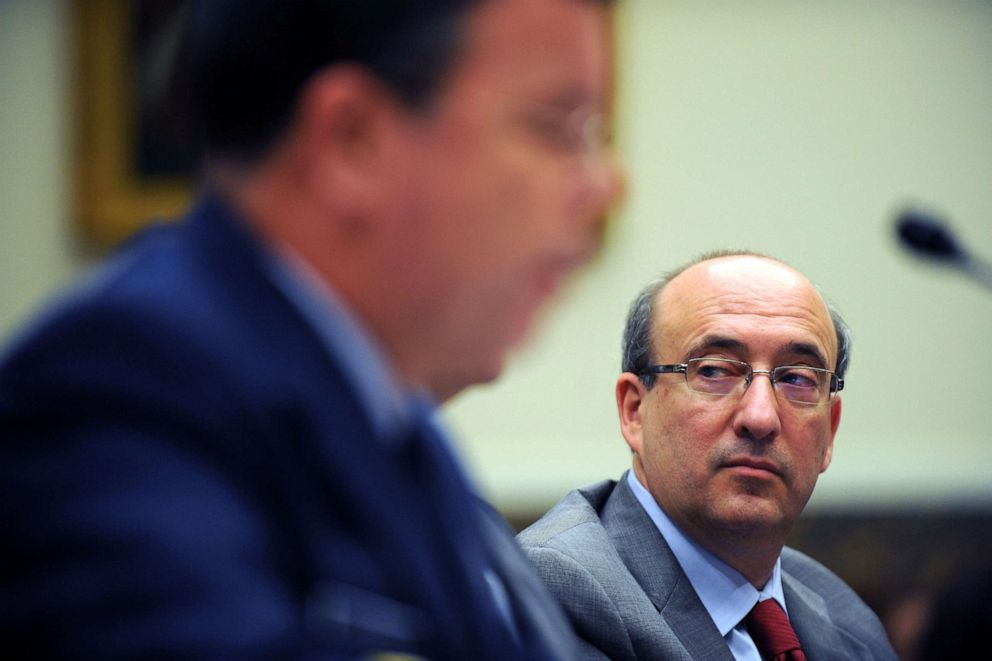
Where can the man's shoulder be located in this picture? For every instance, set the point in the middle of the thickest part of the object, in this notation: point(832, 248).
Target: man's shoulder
point(137, 288)
point(573, 548)
point(167, 298)
point(575, 515)
point(815, 584)
point(810, 573)
point(591, 551)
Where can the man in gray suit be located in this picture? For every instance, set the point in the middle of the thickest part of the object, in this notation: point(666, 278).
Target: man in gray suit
point(729, 402)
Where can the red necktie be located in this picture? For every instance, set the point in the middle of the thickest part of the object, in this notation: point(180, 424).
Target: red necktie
point(771, 632)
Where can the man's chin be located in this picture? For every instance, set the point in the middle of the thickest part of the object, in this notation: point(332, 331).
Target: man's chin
point(449, 385)
point(754, 515)
point(488, 351)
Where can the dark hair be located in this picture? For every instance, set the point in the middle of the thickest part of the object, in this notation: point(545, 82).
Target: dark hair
point(637, 332)
point(248, 59)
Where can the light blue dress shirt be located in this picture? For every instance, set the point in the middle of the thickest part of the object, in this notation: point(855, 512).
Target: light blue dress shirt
point(391, 408)
point(727, 596)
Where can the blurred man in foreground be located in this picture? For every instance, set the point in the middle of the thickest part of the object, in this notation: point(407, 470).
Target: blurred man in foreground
point(223, 443)
point(729, 402)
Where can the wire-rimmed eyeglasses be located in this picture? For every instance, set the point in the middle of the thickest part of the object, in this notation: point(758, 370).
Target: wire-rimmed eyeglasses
point(579, 130)
point(720, 377)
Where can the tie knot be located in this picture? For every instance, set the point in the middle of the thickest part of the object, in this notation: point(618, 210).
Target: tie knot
point(772, 634)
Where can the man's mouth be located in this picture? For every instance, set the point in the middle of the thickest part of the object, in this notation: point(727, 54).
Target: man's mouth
point(753, 466)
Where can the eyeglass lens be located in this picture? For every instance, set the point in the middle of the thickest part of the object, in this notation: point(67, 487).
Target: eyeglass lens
point(796, 383)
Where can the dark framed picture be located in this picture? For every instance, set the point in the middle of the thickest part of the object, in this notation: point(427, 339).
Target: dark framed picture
point(134, 159)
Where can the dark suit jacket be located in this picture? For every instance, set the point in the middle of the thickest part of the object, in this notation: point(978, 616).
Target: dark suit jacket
point(604, 559)
point(185, 472)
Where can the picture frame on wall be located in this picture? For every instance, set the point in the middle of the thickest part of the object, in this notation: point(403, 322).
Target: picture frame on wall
point(134, 158)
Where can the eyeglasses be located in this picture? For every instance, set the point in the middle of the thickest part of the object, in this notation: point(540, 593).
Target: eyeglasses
point(721, 377)
point(576, 130)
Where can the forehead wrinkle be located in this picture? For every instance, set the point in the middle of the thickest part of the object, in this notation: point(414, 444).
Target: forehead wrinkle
point(719, 341)
point(703, 297)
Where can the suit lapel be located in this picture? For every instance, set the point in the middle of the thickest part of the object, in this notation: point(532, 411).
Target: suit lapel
point(459, 543)
point(653, 565)
point(808, 615)
point(405, 500)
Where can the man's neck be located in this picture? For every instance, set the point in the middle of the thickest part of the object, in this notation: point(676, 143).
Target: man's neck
point(751, 551)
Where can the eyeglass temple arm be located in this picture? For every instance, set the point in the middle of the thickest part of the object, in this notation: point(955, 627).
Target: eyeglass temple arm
point(667, 369)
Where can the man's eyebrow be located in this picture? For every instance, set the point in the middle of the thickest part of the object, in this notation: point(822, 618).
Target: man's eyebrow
point(806, 349)
point(709, 342)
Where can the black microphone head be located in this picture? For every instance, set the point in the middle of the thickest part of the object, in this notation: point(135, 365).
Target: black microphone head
point(928, 236)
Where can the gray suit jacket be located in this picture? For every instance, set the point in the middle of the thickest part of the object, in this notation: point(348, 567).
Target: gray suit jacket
point(628, 598)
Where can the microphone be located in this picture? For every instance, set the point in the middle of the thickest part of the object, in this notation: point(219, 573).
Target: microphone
point(928, 237)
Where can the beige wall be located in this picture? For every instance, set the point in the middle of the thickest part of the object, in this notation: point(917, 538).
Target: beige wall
point(795, 128)
point(37, 247)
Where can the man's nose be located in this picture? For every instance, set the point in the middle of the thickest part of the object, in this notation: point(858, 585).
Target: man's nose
point(757, 414)
point(609, 177)
point(602, 183)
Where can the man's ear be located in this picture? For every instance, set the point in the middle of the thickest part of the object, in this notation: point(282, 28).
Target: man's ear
point(630, 393)
point(340, 132)
point(835, 407)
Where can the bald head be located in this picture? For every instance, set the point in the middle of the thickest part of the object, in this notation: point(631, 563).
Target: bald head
point(701, 308)
point(746, 277)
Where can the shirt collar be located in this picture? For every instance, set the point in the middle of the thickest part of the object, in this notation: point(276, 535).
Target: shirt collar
point(391, 407)
point(727, 596)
